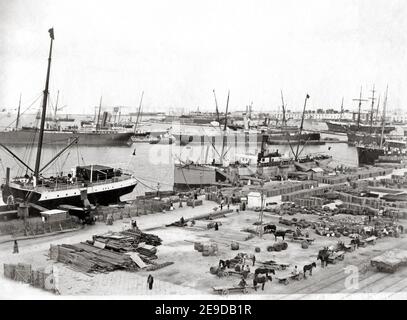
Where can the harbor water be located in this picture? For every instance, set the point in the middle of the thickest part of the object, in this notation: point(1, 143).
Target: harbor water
point(153, 164)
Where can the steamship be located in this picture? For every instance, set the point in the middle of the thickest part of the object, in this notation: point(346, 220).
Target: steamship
point(96, 183)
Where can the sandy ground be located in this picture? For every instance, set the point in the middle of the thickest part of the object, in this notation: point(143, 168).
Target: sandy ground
point(189, 276)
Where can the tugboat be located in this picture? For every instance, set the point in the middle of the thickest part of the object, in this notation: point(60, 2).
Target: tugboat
point(99, 184)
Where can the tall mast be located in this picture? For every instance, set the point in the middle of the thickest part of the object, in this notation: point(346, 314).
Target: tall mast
point(384, 116)
point(301, 126)
point(100, 107)
point(283, 106)
point(18, 113)
point(341, 114)
point(216, 105)
point(377, 108)
point(44, 108)
point(139, 111)
point(224, 129)
point(56, 107)
point(372, 110)
point(360, 105)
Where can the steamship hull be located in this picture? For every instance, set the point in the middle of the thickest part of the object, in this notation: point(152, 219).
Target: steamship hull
point(103, 194)
point(368, 155)
point(30, 136)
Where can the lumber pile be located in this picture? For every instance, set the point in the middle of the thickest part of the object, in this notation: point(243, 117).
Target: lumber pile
point(88, 258)
point(108, 252)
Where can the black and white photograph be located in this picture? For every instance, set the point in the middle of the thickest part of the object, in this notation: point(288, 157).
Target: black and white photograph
point(203, 150)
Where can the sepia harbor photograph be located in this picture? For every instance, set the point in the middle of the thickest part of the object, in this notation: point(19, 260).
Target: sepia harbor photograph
point(202, 149)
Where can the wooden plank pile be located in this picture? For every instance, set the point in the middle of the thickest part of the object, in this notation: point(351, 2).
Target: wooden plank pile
point(108, 252)
point(87, 258)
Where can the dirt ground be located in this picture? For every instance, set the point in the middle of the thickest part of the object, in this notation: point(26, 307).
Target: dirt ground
point(189, 275)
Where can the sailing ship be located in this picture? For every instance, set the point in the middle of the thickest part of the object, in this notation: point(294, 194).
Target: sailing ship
point(355, 129)
point(369, 154)
point(97, 183)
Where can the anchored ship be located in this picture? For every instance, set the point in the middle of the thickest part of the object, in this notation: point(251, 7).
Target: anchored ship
point(369, 154)
point(96, 183)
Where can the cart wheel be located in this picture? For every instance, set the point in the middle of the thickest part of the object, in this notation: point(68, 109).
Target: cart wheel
point(225, 292)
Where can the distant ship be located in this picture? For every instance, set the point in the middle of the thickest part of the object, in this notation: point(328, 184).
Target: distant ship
point(344, 127)
point(92, 137)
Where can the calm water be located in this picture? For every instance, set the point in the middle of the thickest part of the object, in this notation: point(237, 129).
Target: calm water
point(153, 164)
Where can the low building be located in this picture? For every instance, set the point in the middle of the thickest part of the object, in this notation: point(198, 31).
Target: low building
point(54, 215)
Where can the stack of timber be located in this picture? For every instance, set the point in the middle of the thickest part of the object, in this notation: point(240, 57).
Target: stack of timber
point(290, 197)
point(108, 252)
point(354, 176)
point(276, 189)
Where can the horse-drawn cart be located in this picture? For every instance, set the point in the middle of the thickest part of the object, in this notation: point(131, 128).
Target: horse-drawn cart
point(390, 261)
point(371, 240)
point(274, 265)
point(301, 239)
point(226, 290)
point(336, 255)
point(286, 277)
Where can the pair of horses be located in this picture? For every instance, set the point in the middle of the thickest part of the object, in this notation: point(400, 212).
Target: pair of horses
point(271, 228)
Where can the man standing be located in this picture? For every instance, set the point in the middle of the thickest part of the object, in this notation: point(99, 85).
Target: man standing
point(216, 226)
point(150, 281)
point(15, 249)
point(254, 259)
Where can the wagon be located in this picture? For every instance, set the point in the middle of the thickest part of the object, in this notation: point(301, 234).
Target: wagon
point(274, 265)
point(309, 240)
point(285, 278)
point(226, 290)
point(371, 240)
point(337, 255)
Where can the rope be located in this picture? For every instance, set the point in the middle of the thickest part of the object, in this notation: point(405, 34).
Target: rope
point(21, 113)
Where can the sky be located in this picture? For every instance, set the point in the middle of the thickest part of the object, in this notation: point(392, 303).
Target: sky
point(178, 51)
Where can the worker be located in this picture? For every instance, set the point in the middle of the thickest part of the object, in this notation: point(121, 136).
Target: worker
point(221, 205)
point(254, 259)
point(216, 226)
point(15, 249)
point(242, 283)
point(295, 272)
point(182, 221)
point(134, 224)
point(171, 206)
point(150, 281)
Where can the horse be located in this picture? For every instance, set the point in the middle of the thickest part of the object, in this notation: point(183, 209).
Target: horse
point(264, 271)
point(309, 268)
point(281, 233)
point(270, 228)
point(224, 264)
point(323, 256)
point(261, 279)
point(355, 242)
